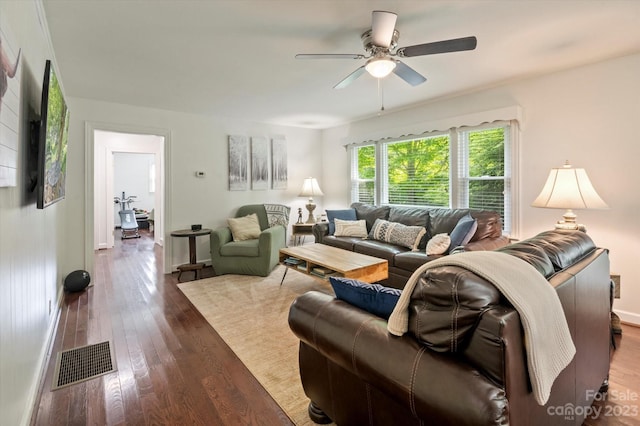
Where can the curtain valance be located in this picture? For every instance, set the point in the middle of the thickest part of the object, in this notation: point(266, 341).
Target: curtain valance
point(428, 127)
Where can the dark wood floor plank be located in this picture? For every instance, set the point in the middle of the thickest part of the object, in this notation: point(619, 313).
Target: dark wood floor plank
point(78, 404)
point(129, 391)
point(173, 368)
point(154, 412)
point(113, 402)
point(96, 412)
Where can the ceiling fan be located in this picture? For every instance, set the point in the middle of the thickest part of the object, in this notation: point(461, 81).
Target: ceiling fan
point(380, 43)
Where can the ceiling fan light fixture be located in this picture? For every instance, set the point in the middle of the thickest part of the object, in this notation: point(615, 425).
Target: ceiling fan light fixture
point(380, 43)
point(380, 67)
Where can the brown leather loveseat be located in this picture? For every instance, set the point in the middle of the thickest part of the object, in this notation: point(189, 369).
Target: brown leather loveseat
point(403, 261)
point(355, 372)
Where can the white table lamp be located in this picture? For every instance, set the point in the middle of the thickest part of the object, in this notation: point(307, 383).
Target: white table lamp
point(569, 188)
point(310, 188)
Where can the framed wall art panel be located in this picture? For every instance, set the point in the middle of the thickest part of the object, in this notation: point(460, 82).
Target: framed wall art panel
point(259, 163)
point(238, 163)
point(279, 167)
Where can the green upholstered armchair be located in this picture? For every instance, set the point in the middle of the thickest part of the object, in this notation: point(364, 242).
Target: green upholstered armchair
point(249, 257)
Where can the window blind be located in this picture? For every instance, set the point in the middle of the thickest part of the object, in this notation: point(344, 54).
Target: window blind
point(466, 167)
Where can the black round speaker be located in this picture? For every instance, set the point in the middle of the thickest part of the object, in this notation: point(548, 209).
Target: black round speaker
point(77, 281)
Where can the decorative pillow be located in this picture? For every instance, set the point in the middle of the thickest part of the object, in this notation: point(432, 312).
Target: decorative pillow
point(351, 228)
point(397, 233)
point(244, 228)
point(464, 230)
point(374, 298)
point(439, 244)
point(412, 216)
point(346, 214)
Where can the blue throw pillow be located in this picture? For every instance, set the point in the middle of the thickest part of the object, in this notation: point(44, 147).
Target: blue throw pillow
point(346, 214)
point(374, 298)
point(463, 232)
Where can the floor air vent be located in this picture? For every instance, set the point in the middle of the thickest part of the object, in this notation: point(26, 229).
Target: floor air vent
point(84, 363)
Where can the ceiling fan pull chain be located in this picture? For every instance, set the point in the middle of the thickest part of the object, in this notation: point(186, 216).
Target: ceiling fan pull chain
point(381, 95)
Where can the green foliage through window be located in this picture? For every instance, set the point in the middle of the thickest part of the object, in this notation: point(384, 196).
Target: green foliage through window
point(463, 168)
point(418, 172)
point(365, 174)
point(486, 168)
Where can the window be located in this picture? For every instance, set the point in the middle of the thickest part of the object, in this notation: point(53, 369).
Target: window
point(483, 173)
point(363, 174)
point(466, 167)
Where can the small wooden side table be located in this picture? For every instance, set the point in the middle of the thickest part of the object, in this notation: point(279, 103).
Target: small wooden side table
point(300, 232)
point(193, 264)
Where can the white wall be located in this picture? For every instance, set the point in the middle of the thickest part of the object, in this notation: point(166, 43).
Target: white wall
point(588, 115)
point(131, 176)
point(31, 240)
point(197, 143)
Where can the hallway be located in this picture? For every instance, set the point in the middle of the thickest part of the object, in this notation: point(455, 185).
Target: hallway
point(172, 367)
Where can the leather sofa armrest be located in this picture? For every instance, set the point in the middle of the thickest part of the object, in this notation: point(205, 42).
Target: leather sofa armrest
point(320, 230)
point(401, 367)
point(351, 338)
point(497, 330)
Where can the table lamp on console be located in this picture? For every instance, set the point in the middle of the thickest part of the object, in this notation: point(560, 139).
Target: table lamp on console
point(310, 188)
point(569, 188)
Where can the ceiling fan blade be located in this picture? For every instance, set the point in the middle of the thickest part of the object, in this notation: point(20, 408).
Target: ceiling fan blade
point(408, 74)
point(382, 26)
point(329, 56)
point(444, 46)
point(350, 78)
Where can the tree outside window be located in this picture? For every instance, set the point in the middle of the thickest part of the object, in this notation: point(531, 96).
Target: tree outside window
point(463, 168)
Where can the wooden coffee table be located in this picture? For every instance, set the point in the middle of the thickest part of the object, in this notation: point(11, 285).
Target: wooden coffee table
point(332, 261)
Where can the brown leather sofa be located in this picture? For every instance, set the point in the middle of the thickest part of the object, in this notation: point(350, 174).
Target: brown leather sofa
point(355, 372)
point(402, 261)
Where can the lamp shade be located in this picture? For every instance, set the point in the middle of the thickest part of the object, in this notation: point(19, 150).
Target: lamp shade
point(569, 188)
point(310, 188)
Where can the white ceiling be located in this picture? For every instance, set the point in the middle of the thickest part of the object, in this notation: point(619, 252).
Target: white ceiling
point(235, 58)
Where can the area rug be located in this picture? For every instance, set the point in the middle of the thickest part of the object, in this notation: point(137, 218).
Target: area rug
point(250, 314)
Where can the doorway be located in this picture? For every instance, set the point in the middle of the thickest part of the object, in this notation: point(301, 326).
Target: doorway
point(101, 142)
point(118, 160)
point(145, 150)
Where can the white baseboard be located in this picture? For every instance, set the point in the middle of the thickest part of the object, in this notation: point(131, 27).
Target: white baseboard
point(628, 317)
point(43, 361)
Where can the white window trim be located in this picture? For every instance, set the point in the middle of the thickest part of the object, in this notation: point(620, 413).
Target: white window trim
point(512, 168)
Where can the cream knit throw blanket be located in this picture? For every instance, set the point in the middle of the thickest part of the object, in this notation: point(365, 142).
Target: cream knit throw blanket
point(546, 334)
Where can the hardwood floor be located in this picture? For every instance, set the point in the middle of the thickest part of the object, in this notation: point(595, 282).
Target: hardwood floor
point(622, 404)
point(173, 368)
